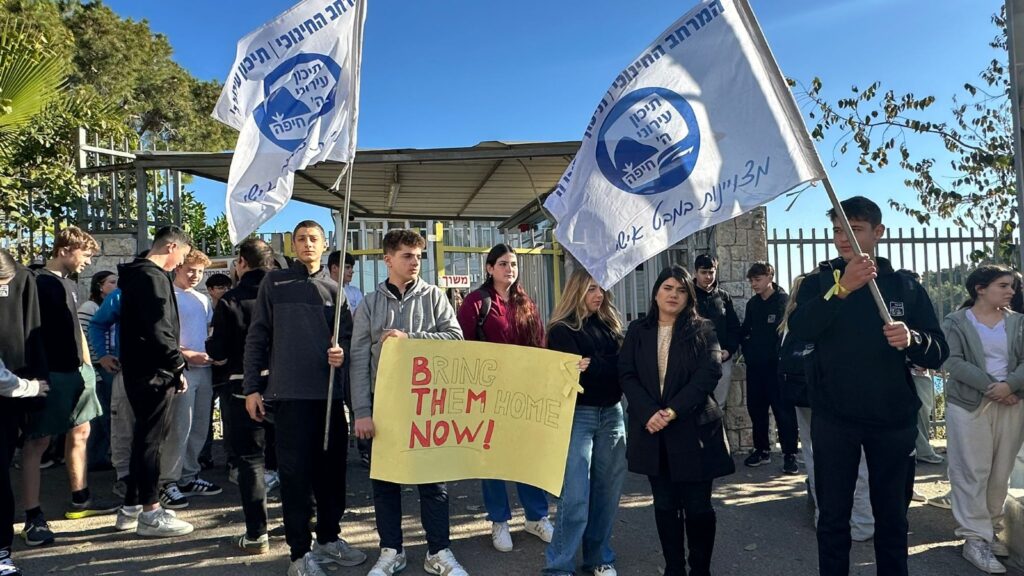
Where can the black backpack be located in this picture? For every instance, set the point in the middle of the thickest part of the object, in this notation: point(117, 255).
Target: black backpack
point(794, 366)
point(485, 309)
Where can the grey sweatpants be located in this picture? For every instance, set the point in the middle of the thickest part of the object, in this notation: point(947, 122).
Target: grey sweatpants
point(186, 432)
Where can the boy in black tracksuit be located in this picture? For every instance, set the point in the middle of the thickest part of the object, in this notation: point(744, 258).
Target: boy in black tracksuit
point(861, 388)
point(246, 437)
point(290, 334)
point(761, 353)
point(715, 304)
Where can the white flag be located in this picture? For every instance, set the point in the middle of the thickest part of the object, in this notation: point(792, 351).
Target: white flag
point(698, 129)
point(293, 96)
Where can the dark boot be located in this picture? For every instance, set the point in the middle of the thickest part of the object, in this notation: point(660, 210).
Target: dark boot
point(700, 531)
point(672, 534)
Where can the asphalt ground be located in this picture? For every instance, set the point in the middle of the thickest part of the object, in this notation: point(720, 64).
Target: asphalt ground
point(765, 527)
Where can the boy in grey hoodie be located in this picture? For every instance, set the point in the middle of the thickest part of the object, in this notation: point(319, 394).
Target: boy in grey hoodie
point(403, 306)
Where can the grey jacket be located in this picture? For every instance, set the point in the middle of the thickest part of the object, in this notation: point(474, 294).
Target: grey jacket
point(968, 379)
point(423, 312)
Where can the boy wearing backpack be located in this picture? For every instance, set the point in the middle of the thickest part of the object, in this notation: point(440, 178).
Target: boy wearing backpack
point(862, 392)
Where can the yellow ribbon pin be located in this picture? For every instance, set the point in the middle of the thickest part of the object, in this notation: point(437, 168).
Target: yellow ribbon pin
point(837, 288)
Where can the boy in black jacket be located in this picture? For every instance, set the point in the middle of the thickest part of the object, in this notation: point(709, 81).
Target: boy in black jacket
point(761, 353)
point(246, 437)
point(715, 304)
point(290, 334)
point(861, 391)
point(152, 365)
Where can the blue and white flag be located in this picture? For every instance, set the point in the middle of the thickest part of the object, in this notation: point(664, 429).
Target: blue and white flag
point(699, 128)
point(293, 96)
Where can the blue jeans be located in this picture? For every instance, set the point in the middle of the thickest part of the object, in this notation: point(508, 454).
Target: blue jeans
point(594, 472)
point(533, 499)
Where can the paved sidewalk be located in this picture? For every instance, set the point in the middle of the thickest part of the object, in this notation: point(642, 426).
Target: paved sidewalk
point(764, 528)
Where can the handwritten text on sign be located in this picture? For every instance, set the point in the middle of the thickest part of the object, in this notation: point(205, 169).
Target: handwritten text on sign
point(455, 410)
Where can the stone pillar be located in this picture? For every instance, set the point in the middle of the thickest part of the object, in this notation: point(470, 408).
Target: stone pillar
point(115, 248)
point(738, 243)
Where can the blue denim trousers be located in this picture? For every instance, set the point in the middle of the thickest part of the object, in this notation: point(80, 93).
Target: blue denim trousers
point(533, 499)
point(594, 472)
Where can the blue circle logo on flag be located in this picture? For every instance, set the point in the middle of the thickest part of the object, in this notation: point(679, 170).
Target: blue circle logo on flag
point(296, 93)
point(649, 142)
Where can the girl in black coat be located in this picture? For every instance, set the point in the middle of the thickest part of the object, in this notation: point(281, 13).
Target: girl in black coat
point(669, 366)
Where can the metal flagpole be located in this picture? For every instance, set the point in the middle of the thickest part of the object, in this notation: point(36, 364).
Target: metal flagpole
point(342, 240)
point(883, 310)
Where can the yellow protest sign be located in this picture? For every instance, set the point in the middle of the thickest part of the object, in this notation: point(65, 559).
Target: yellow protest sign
point(447, 410)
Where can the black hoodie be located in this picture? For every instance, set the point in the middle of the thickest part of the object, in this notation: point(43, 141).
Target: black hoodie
point(21, 333)
point(231, 321)
point(761, 328)
point(149, 324)
point(858, 377)
point(716, 305)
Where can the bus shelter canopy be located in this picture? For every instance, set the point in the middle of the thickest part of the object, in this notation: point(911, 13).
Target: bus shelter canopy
point(489, 181)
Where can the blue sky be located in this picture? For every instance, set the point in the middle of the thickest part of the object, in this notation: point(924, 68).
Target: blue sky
point(458, 72)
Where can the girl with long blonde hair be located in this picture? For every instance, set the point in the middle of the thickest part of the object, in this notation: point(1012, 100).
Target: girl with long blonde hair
point(585, 322)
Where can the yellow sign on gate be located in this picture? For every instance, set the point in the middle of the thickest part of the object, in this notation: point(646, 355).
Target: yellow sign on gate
point(447, 410)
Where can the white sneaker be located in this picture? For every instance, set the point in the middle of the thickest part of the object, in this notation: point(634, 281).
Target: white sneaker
point(977, 552)
point(501, 537)
point(162, 523)
point(271, 480)
point(390, 562)
point(338, 552)
point(305, 566)
point(443, 564)
point(999, 548)
point(541, 529)
point(605, 570)
point(127, 518)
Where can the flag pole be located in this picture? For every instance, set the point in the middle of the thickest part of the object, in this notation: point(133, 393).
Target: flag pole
point(342, 238)
point(883, 310)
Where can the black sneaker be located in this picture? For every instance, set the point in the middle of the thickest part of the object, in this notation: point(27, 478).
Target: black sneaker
point(172, 498)
point(789, 465)
point(37, 532)
point(7, 567)
point(757, 458)
point(91, 507)
point(200, 487)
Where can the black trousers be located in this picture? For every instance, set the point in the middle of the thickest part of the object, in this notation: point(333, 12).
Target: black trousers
point(837, 447)
point(434, 514)
point(683, 510)
point(764, 393)
point(247, 441)
point(149, 404)
point(9, 418)
point(306, 469)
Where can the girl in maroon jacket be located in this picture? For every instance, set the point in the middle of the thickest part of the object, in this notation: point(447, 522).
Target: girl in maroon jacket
point(501, 312)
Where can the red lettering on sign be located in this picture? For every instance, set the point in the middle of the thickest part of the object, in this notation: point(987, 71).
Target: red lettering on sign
point(480, 397)
point(437, 404)
point(421, 375)
point(420, 392)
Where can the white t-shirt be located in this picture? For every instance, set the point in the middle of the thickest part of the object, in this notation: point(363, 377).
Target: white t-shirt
point(993, 340)
point(354, 295)
point(195, 315)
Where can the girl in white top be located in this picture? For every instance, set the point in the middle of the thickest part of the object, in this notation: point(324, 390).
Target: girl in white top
point(984, 415)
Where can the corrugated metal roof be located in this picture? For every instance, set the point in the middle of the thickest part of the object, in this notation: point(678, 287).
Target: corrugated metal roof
point(489, 181)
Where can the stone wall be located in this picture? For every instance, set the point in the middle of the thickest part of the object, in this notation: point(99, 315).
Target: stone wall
point(115, 248)
point(738, 243)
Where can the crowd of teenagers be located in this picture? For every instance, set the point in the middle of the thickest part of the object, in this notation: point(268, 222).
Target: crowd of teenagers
point(127, 380)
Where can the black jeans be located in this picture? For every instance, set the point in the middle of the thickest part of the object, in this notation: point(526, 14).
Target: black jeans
point(837, 446)
point(683, 510)
point(247, 440)
point(434, 514)
point(306, 469)
point(149, 404)
point(9, 418)
point(764, 393)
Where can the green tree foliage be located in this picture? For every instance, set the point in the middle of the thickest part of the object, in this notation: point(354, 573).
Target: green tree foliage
point(119, 82)
point(977, 186)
